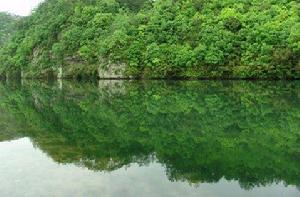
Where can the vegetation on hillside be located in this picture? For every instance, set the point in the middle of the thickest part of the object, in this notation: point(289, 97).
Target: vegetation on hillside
point(162, 38)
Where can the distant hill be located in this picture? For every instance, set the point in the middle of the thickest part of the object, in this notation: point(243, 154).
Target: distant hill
point(7, 26)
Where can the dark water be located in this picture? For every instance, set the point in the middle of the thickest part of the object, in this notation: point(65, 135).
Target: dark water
point(150, 138)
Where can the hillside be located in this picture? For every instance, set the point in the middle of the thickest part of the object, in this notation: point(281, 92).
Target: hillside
point(162, 38)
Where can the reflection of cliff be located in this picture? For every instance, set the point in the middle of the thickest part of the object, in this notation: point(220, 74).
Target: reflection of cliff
point(200, 131)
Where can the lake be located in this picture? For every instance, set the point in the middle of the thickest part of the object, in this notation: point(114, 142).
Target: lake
point(150, 138)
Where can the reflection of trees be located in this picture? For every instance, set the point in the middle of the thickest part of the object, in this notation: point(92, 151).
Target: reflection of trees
point(200, 131)
point(9, 130)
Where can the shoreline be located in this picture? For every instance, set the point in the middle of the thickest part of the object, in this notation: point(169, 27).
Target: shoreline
point(153, 79)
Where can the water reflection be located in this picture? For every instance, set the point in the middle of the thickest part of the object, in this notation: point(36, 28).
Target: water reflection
point(196, 134)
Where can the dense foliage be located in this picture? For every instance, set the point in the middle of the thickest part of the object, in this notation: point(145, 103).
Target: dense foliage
point(199, 131)
point(162, 38)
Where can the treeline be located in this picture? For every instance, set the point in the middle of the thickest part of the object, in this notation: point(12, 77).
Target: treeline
point(162, 38)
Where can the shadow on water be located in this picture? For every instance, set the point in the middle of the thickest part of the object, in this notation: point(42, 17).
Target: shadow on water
point(200, 131)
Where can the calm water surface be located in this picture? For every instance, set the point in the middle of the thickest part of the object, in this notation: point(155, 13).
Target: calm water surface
point(150, 138)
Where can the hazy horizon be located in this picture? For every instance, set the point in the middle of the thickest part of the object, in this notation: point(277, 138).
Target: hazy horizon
point(18, 7)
